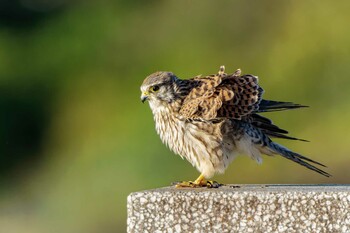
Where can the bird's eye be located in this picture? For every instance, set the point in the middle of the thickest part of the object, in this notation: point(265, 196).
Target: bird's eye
point(155, 88)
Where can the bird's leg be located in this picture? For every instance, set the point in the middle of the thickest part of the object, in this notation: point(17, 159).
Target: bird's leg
point(199, 182)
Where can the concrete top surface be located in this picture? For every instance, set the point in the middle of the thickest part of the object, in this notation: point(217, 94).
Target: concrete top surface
point(262, 188)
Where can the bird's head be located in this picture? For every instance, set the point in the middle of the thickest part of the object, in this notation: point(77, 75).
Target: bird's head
point(158, 88)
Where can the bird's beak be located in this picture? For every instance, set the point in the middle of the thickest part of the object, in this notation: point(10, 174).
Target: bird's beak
point(144, 97)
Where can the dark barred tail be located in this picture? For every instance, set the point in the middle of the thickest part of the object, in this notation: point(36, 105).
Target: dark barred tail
point(271, 106)
point(295, 157)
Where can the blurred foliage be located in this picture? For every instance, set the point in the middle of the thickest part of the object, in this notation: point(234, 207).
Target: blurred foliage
point(75, 139)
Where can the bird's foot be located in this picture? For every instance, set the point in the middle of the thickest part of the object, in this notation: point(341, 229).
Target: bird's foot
point(198, 183)
point(193, 184)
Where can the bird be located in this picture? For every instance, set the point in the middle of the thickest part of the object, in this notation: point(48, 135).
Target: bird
point(210, 120)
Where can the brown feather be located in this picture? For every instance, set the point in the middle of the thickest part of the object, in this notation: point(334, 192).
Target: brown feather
point(223, 96)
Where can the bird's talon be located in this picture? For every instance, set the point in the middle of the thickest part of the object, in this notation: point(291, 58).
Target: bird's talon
point(175, 183)
point(185, 184)
point(188, 184)
point(213, 184)
point(191, 184)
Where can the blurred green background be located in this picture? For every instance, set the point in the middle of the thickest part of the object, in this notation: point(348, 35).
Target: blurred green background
point(75, 139)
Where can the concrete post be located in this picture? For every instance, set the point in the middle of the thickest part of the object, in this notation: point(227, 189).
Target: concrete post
point(250, 208)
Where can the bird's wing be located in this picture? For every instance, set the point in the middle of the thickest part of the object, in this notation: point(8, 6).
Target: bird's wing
point(222, 96)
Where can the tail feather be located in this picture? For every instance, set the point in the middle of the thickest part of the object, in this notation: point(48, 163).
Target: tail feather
point(298, 158)
point(271, 106)
point(279, 135)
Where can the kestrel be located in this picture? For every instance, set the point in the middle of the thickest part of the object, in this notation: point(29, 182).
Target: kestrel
point(210, 120)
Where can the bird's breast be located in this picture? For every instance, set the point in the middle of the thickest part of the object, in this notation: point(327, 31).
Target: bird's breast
point(171, 130)
point(199, 142)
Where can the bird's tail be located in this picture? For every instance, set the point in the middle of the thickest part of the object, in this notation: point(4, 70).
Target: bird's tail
point(298, 158)
point(271, 106)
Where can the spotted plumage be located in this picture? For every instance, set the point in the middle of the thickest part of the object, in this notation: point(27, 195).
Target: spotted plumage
point(210, 120)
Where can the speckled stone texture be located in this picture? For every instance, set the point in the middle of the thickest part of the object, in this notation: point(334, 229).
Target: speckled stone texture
point(250, 208)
